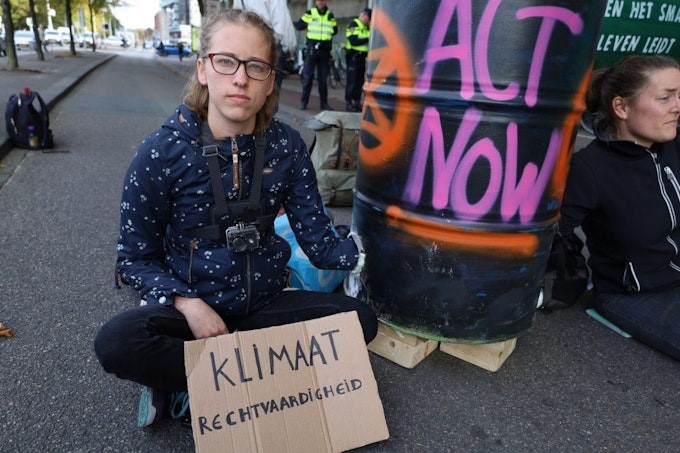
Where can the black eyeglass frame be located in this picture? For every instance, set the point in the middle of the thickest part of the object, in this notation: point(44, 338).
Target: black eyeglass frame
point(212, 55)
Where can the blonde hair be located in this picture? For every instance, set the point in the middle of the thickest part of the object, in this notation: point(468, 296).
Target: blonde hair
point(196, 95)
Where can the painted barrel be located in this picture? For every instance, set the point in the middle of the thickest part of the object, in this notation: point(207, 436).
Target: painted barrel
point(470, 114)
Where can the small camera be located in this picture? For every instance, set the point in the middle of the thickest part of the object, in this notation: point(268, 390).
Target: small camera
point(242, 238)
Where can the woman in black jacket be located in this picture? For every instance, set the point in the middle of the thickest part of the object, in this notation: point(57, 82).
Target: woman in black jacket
point(624, 190)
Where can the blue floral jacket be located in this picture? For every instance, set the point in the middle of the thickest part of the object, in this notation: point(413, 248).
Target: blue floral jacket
point(167, 193)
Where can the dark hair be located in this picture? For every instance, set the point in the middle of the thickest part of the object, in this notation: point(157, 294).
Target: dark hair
point(625, 79)
point(196, 97)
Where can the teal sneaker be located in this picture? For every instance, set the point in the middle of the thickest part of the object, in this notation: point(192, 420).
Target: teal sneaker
point(179, 408)
point(151, 406)
point(155, 405)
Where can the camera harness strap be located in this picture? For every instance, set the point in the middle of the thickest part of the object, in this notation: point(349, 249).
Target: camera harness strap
point(211, 152)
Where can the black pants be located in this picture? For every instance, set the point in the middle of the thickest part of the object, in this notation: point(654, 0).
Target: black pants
point(317, 56)
point(356, 72)
point(652, 317)
point(146, 344)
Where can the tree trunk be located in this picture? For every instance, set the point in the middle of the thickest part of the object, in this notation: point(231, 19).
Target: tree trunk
point(12, 61)
point(36, 34)
point(94, 42)
point(69, 24)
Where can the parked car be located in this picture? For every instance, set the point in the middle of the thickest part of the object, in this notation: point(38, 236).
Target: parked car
point(171, 49)
point(113, 42)
point(86, 39)
point(24, 40)
point(65, 35)
point(53, 37)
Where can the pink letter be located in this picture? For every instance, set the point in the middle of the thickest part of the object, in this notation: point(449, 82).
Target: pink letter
point(436, 51)
point(443, 167)
point(459, 200)
point(482, 55)
point(430, 132)
point(551, 15)
point(526, 195)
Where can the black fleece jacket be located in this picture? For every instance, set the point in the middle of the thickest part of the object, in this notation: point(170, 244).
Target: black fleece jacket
point(627, 199)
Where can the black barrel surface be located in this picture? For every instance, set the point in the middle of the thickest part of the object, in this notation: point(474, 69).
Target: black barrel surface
point(470, 114)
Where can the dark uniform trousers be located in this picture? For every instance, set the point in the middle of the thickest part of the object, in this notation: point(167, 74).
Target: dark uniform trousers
point(317, 54)
point(356, 72)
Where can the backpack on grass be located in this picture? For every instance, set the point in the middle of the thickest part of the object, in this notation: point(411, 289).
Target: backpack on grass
point(27, 121)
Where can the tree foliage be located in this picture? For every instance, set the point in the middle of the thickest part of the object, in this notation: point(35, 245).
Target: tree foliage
point(80, 9)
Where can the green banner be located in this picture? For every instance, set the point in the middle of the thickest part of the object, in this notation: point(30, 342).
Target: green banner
point(638, 27)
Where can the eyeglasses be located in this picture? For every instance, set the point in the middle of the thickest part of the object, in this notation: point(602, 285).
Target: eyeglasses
point(228, 65)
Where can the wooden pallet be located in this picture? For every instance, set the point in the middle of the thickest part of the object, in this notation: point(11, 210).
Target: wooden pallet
point(402, 349)
point(489, 356)
point(408, 350)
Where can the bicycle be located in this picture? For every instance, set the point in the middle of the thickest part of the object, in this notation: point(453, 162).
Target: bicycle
point(337, 76)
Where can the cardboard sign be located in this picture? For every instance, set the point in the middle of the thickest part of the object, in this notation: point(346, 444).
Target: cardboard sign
point(303, 387)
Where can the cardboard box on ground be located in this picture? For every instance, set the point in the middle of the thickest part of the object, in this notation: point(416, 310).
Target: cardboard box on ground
point(303, 387)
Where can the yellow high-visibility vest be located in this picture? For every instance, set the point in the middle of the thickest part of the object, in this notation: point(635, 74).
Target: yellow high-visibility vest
point(319, 27)
point(361, 31)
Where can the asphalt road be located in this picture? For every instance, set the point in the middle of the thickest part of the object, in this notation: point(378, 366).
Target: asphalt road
point(570, 385)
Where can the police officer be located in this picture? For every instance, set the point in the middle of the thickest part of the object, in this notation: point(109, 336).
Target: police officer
point(321, 27)
point(356, 48)
point(180, 50)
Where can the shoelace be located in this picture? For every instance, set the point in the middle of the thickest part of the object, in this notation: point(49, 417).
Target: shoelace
point(179, 403)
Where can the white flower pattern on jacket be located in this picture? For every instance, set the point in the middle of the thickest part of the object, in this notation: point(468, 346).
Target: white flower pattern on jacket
point(167, 192)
